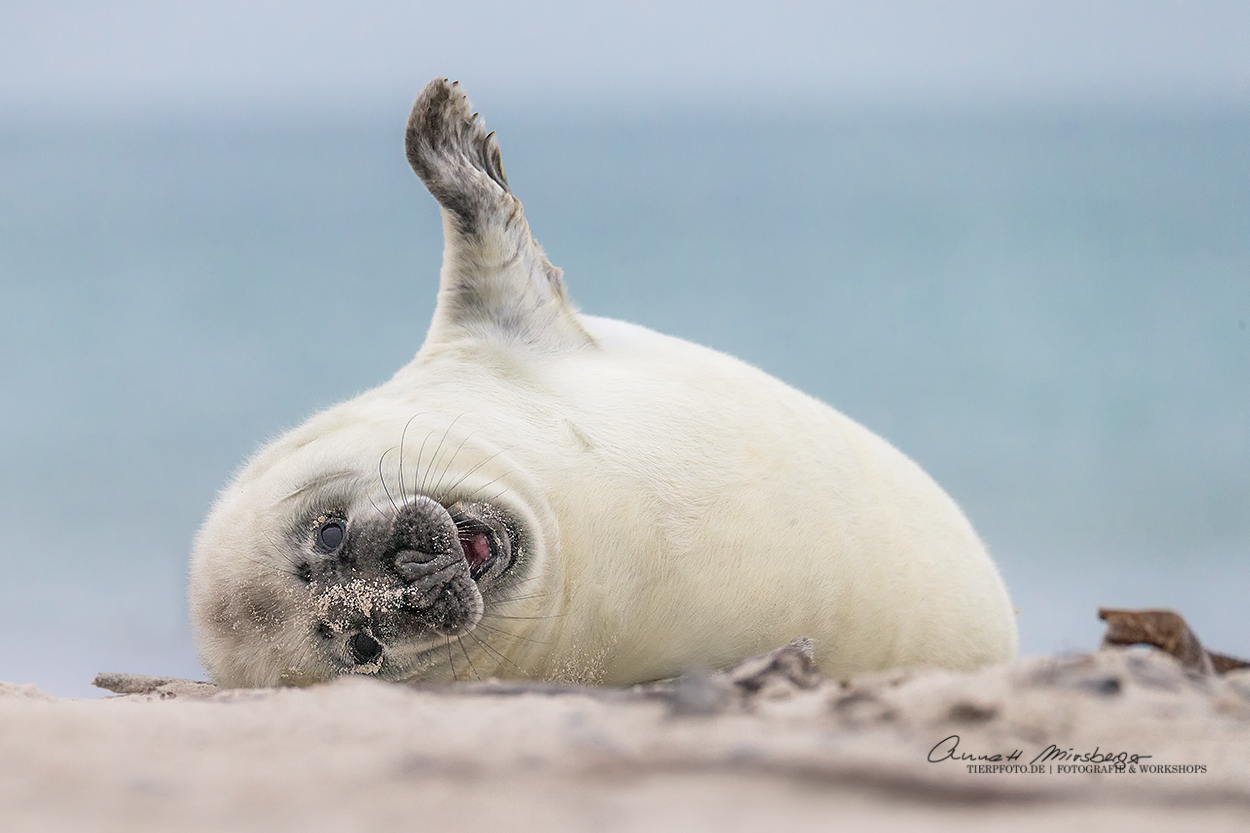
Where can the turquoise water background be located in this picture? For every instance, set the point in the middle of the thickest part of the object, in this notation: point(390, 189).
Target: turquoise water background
point(1048, 311)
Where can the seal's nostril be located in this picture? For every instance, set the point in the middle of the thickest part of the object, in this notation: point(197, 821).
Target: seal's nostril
point(365, 649)
point(413, 564)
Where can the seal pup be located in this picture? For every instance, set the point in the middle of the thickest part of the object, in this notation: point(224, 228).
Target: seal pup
point(548, 495)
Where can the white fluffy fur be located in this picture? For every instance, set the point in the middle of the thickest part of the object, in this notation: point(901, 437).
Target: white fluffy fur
point(685, 509)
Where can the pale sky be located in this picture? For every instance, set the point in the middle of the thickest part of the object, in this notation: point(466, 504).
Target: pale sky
point(141, 54)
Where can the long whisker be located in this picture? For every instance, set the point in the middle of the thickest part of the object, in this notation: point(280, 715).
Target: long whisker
point(420, 456)
point(460, 642)
point(454, 676)
point(505, 633)
point(486, 646)
point(402, 435)
point(511, 599)
point(438, 450)
point(523, 618)
point(450, 460)
point(516, 585)
point(491, 482)
point(382, 477)
point(375, 507)
point(521, 581)
point(452, 488)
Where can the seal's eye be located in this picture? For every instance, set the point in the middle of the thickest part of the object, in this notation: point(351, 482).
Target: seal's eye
point(330, 535)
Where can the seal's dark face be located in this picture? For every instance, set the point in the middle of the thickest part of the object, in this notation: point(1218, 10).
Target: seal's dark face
point(386, 587)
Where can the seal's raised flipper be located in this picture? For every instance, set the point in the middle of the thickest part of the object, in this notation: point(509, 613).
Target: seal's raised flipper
point(496, 281)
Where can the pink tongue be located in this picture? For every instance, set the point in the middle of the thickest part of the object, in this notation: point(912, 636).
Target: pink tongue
point(476, 548)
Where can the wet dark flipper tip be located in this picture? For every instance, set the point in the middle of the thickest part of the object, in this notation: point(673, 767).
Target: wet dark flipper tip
point(495, 278)
point(459, 162)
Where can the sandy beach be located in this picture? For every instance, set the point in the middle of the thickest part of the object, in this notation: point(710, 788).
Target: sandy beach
point(1121, 739)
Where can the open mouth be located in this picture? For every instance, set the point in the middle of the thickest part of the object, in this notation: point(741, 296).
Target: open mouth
point(479, 550)
point(487, 538)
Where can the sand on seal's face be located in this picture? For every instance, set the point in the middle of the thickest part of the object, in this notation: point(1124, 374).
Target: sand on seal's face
point(542, 494)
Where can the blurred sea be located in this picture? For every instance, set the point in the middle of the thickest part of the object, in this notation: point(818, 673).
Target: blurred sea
point(1048, 311)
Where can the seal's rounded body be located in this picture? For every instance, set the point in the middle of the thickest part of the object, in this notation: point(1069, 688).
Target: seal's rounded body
point(548, 495)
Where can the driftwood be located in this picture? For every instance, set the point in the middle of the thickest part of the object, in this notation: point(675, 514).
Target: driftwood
point(1166, 630)
point(163, 687)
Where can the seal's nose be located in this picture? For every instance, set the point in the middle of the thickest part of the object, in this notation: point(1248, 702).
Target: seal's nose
point(365, 649)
